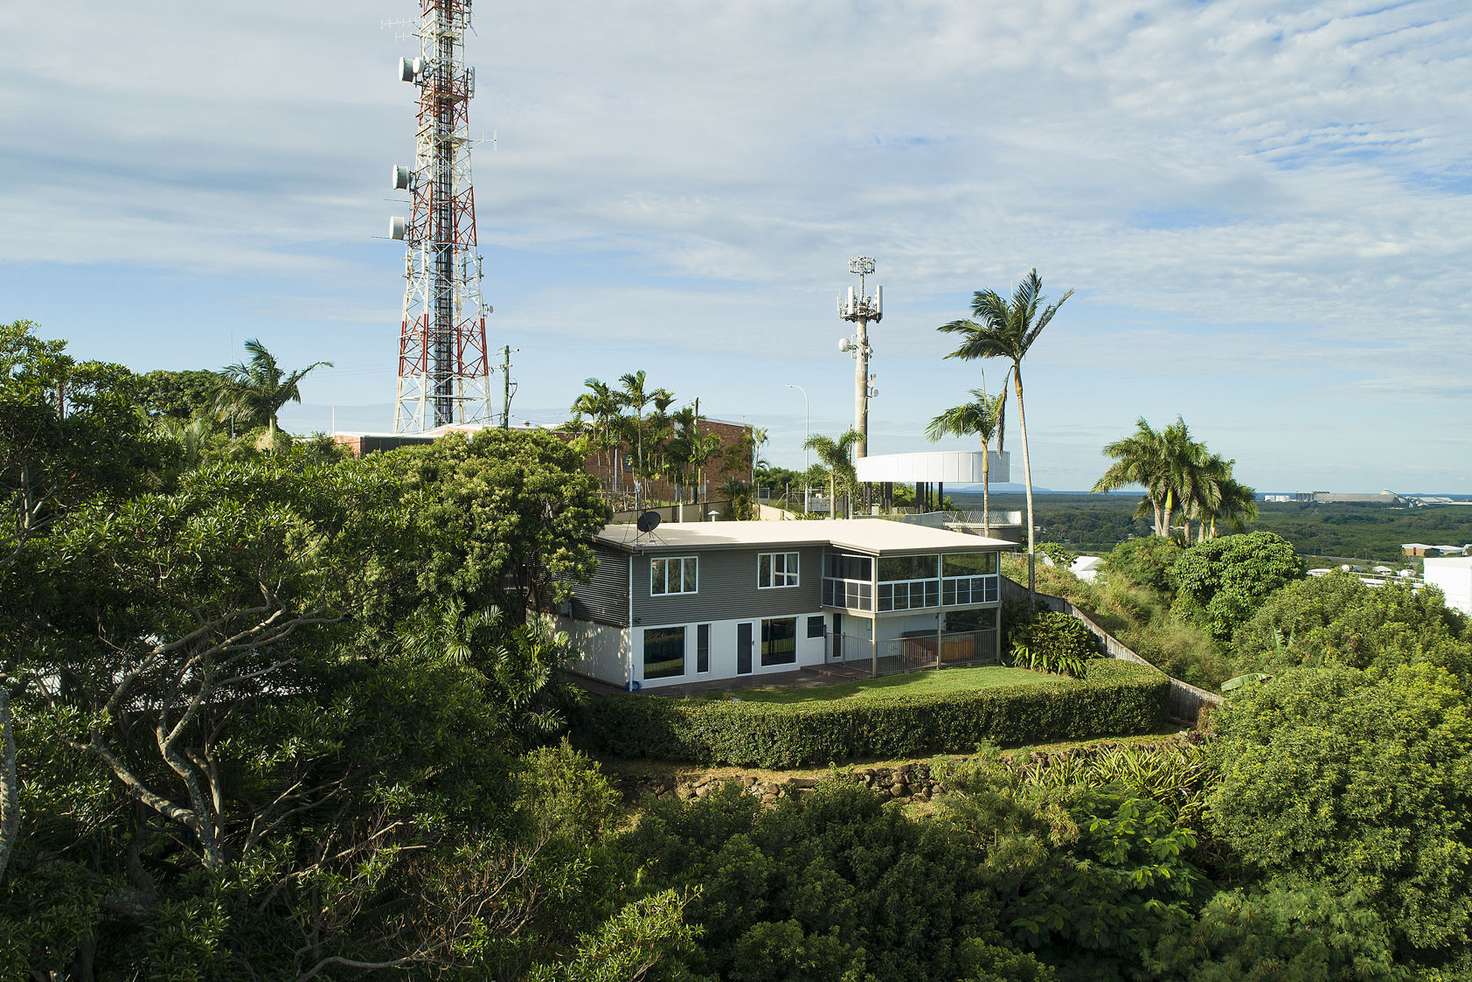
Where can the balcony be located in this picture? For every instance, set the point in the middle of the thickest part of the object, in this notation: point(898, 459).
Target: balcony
point(909, 594)
point(848, 594)
point(958, 591)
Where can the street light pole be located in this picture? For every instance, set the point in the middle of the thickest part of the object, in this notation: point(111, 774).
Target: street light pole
point(807, 453)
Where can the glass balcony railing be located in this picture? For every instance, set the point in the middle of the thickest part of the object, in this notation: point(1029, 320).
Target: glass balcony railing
point(848, 594)
point(962, 590)
point(909, 594)
point(921, 594)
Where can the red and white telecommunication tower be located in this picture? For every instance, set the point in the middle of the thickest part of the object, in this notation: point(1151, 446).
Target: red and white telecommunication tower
point(444, 374)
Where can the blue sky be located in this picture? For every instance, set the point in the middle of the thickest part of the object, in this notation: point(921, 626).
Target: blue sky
point(1265, 209)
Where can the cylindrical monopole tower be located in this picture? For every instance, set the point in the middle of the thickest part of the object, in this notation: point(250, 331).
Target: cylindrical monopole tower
point(860, 309)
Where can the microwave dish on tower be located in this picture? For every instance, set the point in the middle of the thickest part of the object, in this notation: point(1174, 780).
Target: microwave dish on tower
point(443, 368)
point(860, 308)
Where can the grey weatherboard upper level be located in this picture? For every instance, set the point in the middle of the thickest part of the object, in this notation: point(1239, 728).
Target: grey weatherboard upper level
point(728, 554)
point(728, 588)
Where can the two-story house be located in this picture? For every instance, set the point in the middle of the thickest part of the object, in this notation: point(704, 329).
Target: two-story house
point(707, 601)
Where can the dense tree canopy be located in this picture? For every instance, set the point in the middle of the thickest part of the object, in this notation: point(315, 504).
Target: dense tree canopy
point(275, 712)
point(1220, 582)
point(1361, 780)
point(1145, 560)
point(181, 395)
point(1339, 620)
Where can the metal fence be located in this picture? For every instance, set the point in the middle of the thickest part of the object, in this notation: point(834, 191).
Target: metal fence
point(1185, 701)
point(914, 653)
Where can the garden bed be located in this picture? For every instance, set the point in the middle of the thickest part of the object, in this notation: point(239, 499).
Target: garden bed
point(927, 714)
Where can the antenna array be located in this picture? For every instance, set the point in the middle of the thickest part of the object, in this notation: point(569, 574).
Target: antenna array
point(443, 369)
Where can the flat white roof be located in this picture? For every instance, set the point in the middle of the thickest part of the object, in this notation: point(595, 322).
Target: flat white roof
point(931, 466)
point(874, 536)
point(1448, 562)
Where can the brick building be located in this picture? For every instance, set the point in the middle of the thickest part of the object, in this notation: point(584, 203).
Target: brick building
point(730, 463)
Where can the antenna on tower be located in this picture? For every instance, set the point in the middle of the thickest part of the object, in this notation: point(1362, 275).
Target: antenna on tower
point(443, 363)
point(860, 308)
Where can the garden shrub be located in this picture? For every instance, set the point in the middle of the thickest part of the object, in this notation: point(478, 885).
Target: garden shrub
point(1054, 642)
point(1114, 698)
point(1361, 780)
point(1146, 561)
point(1220, 583)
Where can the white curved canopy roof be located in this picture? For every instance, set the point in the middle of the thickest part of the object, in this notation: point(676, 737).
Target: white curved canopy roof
point(933, 466)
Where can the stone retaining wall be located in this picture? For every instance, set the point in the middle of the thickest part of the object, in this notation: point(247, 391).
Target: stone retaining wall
point(908, 782)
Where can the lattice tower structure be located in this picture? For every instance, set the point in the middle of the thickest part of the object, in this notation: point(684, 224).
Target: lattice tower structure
point(443, 369)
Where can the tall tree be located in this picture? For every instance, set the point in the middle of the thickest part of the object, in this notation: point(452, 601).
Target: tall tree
point(254, 390)
point(1140, 458)
point(1179, 474)
point(836, 457)
point(597, 411)
point(1005, 328)
point(982, 418)
point(1236, 505)
point(636, 398)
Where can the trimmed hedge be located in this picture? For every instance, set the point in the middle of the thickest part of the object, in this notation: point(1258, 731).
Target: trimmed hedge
point(1114, 699)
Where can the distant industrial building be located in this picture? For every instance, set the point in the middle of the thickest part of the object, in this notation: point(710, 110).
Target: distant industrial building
point(1422, 550)
point(1453, 576)
point(1359, 498)
point(1338, 498)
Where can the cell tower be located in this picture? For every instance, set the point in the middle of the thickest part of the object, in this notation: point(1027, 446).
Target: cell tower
point(444, 374)
point(859, 309)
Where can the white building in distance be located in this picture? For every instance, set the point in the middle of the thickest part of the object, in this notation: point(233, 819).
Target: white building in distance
point(1453, 576)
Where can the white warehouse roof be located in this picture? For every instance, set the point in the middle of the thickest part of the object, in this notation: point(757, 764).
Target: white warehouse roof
point(931, 467)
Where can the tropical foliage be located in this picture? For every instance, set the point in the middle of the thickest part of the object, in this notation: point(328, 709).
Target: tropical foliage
point(835, 458)
point(1049, 641)
point(982, 418)
point(1008, 328)
point(290, 714)
point(254, 390)
point(633, 427)
point(1219, 583)
point(1180, 476)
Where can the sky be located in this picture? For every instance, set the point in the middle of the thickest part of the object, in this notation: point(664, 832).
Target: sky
point(1264, 209)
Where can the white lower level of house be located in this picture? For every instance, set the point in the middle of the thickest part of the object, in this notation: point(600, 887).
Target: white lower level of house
point(650, 656)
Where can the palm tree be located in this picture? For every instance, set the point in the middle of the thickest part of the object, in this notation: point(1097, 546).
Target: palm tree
point(1173, 468)
point(1008, 329)
point(601, 406)
point(1237, 506)
point(703, 446)
point(981, 417)
point(680, 451)
point(1139, 459)
point(254, 390)
point(191, 435)
point(836, 456)
point(758, 437)
point(634, 396)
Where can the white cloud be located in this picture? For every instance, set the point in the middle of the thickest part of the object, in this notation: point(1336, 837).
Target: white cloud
point(1264, 185)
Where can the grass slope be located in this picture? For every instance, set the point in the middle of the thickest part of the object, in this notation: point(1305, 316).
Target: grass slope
point(932, 683)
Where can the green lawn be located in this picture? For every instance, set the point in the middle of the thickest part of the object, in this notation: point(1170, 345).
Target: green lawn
point(914, 683)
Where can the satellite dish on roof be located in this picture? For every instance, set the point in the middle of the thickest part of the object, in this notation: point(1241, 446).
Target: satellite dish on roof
point(648, 522)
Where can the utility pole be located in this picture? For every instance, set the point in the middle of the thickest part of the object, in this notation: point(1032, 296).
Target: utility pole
point(507, 388)
point(807, 452)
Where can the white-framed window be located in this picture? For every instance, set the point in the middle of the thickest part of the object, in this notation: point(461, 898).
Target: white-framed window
point(674, 574)
point(776, 569)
